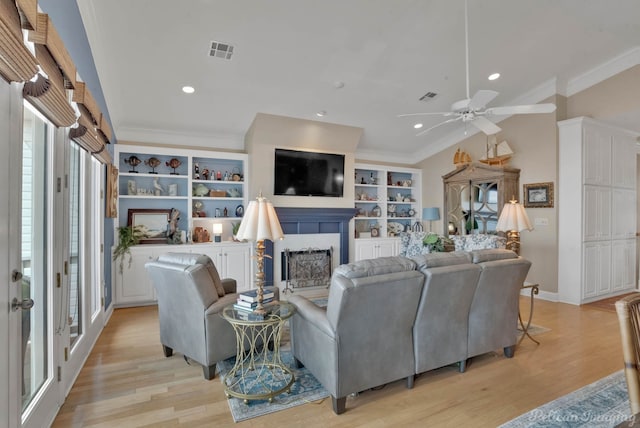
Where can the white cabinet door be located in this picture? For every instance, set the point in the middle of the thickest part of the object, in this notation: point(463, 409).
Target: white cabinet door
point(623, 256)
point(235, 262)
point(387, 248)
point(597, 157)
point(133, 285)
point(365, 249)
point(597, 269)
point(597, 213)
point(623, 218)
point(373, 248)
point(623, 149)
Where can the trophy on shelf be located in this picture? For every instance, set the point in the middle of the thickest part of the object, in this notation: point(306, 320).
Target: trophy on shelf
point(152, 162)
point(133, 161)
point(174, 163)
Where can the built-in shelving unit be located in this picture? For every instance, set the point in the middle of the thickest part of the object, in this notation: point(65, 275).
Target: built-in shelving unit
point(388, 200)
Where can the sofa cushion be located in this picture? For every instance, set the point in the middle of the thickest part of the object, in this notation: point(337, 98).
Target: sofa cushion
point(489, 255)
point(425, 261)
point(477, 242)
point(378, 266)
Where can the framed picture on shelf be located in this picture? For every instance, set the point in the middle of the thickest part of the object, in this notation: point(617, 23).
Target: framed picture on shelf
point(375, 232)
point(538, 195)
point(153, 220)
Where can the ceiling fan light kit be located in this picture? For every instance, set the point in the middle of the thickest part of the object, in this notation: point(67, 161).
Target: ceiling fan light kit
point(474, 110)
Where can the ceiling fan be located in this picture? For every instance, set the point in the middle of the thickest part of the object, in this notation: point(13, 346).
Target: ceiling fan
point(474, 109)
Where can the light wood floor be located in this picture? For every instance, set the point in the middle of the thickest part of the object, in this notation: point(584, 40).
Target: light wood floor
point(127, 382)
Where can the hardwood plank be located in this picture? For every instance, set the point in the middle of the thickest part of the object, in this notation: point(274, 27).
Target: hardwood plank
point(128, 382)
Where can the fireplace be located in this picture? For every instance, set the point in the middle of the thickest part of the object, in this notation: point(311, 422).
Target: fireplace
point(304, 228)
point(309, 267)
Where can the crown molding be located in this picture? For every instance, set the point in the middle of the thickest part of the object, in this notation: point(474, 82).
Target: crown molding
point(161, 136)
point(602, 72)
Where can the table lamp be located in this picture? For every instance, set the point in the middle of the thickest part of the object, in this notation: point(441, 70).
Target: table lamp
point(260, 222)
point(513, 220)
point(431, 214)
point(217, 232)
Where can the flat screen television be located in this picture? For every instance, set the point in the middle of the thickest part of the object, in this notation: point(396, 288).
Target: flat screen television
point(299, 173)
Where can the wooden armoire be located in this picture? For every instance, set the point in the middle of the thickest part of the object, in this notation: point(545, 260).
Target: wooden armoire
point(474, 195)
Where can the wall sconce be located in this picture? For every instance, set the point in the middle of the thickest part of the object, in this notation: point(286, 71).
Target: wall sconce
point(217, 232)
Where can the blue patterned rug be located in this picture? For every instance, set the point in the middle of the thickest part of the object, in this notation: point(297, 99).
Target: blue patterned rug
point(604, 403)
point(304, 390)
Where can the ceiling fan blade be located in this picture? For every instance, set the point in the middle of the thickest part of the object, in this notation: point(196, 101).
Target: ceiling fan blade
point(524, 109)
point(424, 131)
point(485, 125)
point(438, 113)
point(481, 99)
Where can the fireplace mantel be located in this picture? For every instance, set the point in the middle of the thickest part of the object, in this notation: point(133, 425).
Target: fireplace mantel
point(295, 221)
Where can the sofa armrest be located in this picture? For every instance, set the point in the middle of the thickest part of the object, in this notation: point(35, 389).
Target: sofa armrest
point(229, 285)
point(312, 313)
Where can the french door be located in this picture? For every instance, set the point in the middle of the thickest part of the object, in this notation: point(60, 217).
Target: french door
point(50, 261)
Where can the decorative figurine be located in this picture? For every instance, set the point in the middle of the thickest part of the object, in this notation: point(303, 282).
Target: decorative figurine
point(174, 163)
point(158, 188)
point(196, 172)
point(173, 233)
point(133, 161)
point(205, 174)
point(152, 162)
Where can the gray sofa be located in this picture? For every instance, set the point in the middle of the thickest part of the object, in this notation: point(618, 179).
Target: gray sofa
point(393, 317)
point(191, 297)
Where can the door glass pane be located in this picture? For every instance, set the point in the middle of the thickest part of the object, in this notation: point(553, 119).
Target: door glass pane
point(485, 207)
point(34, 261)
point(75, 307)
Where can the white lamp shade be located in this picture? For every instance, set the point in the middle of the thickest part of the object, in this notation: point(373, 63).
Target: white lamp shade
point(260, 222)
point(513, 217)
point(217, 228)
point(431, 213)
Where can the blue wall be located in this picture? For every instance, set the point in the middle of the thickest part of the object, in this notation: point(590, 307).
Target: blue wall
point(66, 19)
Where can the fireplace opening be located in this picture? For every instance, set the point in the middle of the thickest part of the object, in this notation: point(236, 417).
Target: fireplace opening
point(305, 268)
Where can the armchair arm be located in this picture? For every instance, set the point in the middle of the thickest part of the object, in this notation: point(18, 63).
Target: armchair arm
point(312, 313)
point(229, 285)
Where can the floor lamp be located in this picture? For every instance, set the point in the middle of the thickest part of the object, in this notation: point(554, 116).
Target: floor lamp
point(431, 214)
point(513, 220)
point(260, 222)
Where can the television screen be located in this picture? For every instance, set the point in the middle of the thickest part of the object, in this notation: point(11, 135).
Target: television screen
point(300, 173)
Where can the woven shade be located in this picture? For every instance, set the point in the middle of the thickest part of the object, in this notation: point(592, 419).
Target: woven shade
point(29, 13)
point(85, 134)
point(17, 64)
point(46, 35)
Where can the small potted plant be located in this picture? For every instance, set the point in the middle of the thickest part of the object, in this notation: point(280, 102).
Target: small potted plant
point(437, 243)
point(127, 236)
point(235, 226)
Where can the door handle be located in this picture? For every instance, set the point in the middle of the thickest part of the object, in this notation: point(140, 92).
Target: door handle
point(24, 305)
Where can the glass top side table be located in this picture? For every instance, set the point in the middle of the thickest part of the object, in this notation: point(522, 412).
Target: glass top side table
point(258, 373)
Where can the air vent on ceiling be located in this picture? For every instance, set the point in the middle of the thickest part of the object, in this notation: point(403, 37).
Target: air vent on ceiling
point(428, 96)
point(221, 50)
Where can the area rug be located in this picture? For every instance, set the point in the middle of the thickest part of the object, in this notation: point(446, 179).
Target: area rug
point(604, 403)
point(304, 390)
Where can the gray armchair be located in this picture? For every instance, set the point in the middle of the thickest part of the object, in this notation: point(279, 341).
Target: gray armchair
point(364, 338)
point(191, 296)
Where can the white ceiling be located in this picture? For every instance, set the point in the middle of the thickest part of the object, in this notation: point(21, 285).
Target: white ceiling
point(289, 54)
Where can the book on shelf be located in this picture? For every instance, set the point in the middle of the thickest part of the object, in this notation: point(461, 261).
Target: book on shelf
point(251, 296)
point(242, 304)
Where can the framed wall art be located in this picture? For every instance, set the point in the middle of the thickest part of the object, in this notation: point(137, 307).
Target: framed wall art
point(538, 195)
point(154, 221)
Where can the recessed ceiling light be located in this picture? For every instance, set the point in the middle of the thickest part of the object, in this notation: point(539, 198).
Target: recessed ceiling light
point(188, 89)
point(417, 126)
point(494, 76)
point(321, 113)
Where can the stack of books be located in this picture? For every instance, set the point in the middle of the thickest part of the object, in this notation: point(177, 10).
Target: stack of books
point(248, 300)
